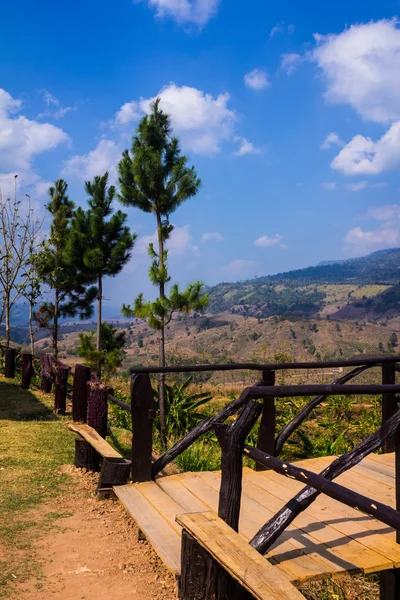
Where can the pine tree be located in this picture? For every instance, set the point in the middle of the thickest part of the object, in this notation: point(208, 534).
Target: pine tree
point(71, 295)
point(155, 178)
point(112, 353)
point(100, 243)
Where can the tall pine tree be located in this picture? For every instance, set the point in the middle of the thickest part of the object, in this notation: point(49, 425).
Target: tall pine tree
point(155, 178)
point(100, 242)
point(55, 266)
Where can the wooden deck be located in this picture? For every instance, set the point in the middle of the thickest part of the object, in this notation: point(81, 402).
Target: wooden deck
point(329, 539)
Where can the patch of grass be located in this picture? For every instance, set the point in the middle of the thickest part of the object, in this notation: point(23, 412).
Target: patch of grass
point(34, 444)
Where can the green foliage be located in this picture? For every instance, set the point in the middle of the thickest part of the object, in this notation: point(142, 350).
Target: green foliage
point(182, 408)
point(55, 266)
point(203, 455)
point(111, 355)
point(100, 242)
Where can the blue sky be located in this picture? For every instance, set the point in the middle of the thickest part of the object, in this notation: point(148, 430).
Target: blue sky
point(289, 111)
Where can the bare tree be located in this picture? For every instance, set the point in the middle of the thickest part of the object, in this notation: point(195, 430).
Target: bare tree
point(32, 291)
point(19, 232)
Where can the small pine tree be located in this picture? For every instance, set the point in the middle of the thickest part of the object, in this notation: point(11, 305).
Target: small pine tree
point(112, 353)
point(71, 295)
point(100, 242)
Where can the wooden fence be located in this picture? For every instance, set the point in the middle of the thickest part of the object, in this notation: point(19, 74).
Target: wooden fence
point(89, 405)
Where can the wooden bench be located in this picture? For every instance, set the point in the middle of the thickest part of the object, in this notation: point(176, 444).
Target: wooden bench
point(90, 447)
point(218, 563)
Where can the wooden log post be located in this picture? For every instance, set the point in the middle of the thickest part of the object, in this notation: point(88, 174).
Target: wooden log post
point(9, 363)
point(389, 404)
point(266, 434)
point(202, 577)
point(47, 375)
point(97, 415)
point(232, 439)
point(60, 393)
point(82, 375)
point(27, 370)
point(389, 584)
point(142, 413)
point(97, 393)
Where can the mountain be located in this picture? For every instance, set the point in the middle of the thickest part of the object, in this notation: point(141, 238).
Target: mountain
point(321, 290)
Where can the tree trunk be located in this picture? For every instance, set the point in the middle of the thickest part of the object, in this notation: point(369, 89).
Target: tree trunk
point(31, 336)
point(161, 394)
point(55, 326)
point(99, 314)
point(8, 328)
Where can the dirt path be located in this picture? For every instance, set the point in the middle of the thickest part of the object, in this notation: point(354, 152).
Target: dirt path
point(94, 553)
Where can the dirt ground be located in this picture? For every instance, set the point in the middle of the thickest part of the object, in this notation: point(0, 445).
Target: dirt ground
point(94, 553)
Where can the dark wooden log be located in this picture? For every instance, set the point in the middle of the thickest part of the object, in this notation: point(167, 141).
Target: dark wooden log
point(232, 439)
point(60, 392)
point(275, 526)
point(206, 425)
point(10, 355)
point(142, 412)
point(308, 408)
point(202, 578)
point(114, 472)
point(85, 456)
point(27, 370)
point(371, 361)
point(389, 584)
point(389, 404)
point(46, 368)
point(382, 512)
point(266, 434)
point(97, 393)
point(79, 393)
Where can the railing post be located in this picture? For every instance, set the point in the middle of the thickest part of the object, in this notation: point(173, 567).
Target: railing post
point(27, 370)
point(9, 363)
point(97, 406)
point(232, 439)
point(142, 413)
point(389, 404)
point(82, 375)
point(60, 394)
point(46, 369)
point(266, 434)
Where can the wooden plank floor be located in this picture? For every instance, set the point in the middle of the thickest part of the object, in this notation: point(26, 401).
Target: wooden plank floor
point(329, 539)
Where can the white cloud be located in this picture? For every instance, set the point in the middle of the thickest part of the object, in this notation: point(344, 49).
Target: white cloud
point(364, 156)
point(332, 139)
point(290, 61)
point(257, 79)
point(389, 212)
point(22, 139)
point(86, 166)
point(198, 12)
point(201, 121)
point(268, 242)
point(49, 99)
point(356, 187)
point(361, 68)
point(179, 243)
point(41, 188)
point(359, 242)
point(213, 235)
point(128, 113)
point(278, 28)
point(330, 186)
point(246, 147)
point(241, 267)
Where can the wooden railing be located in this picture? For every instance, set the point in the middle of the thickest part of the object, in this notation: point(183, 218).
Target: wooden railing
point(89, 405)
